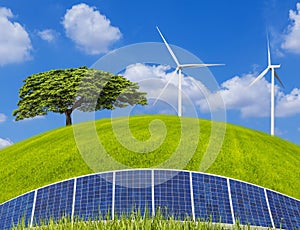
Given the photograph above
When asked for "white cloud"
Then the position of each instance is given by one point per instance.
(47, 35)
(161, 82)
(289, 104)
(89, 29)
(15, 44)
(292, 37)
(234, 93)
(157, 77)
(251, 102)
(137, 72)
(255, 101)
(5, 143)
(2, 117)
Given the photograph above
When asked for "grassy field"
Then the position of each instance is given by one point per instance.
(245, 154)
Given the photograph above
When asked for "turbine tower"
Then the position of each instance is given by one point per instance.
(273, 75)
(179, 68)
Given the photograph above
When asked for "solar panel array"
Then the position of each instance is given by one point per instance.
(181, 194)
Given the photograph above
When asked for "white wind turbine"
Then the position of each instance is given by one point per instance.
(273, 75)
(179, 69)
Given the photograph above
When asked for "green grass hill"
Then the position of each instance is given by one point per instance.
(247, 155)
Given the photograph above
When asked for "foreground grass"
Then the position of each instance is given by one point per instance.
(134, 225)
(247, 155)
(134, 222)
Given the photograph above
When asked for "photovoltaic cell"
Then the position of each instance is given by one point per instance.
(285, 211)
(13, 211)
(172, 193)
(93, 198)
(249, 204)
(211, 198)
(54, 202)
(133, 192)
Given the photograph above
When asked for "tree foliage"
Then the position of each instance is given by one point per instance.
(64, 90)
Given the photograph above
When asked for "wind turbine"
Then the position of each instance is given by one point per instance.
(179, 69)
(273, 75)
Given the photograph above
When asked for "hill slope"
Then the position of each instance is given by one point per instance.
(246, 155)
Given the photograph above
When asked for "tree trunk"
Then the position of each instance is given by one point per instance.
(68, 117)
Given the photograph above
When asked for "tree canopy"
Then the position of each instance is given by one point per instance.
(65, 90)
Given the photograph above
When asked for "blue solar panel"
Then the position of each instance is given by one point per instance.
(133, 192)
(169, 190)
(54, 201)
(93, 198)
(249, 204)
(172, 193)
(12, 212)
(211, 198)
(285, 210)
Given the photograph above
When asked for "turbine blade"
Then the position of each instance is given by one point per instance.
(278, 78)
(259, 76)
(199, 65)
(163, 90)
(168, 47)
(269, 53)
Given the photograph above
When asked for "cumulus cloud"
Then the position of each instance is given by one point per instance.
(89, 29)
(251, 102)
(2, 117)
(153, 79)
(291, 41)
(47, 35)
(161, 84)
(289, 104)
(255, 101)
(15, 44)
(161, 76)
(5, 143)
(234, 93)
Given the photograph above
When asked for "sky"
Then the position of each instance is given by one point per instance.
(37, 36)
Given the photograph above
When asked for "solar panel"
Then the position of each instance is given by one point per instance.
(211, 198)
(93, 199)
(54, 201)
(133, 192)
(285, 210)
(249, 204)
(180, 194)
(16, 210)
(172, 193)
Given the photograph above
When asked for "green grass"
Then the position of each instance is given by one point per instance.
(53, 156)
(134, 222)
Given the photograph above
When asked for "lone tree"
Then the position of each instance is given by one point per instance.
(64, 90)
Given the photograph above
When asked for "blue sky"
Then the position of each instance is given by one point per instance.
(36, 36)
